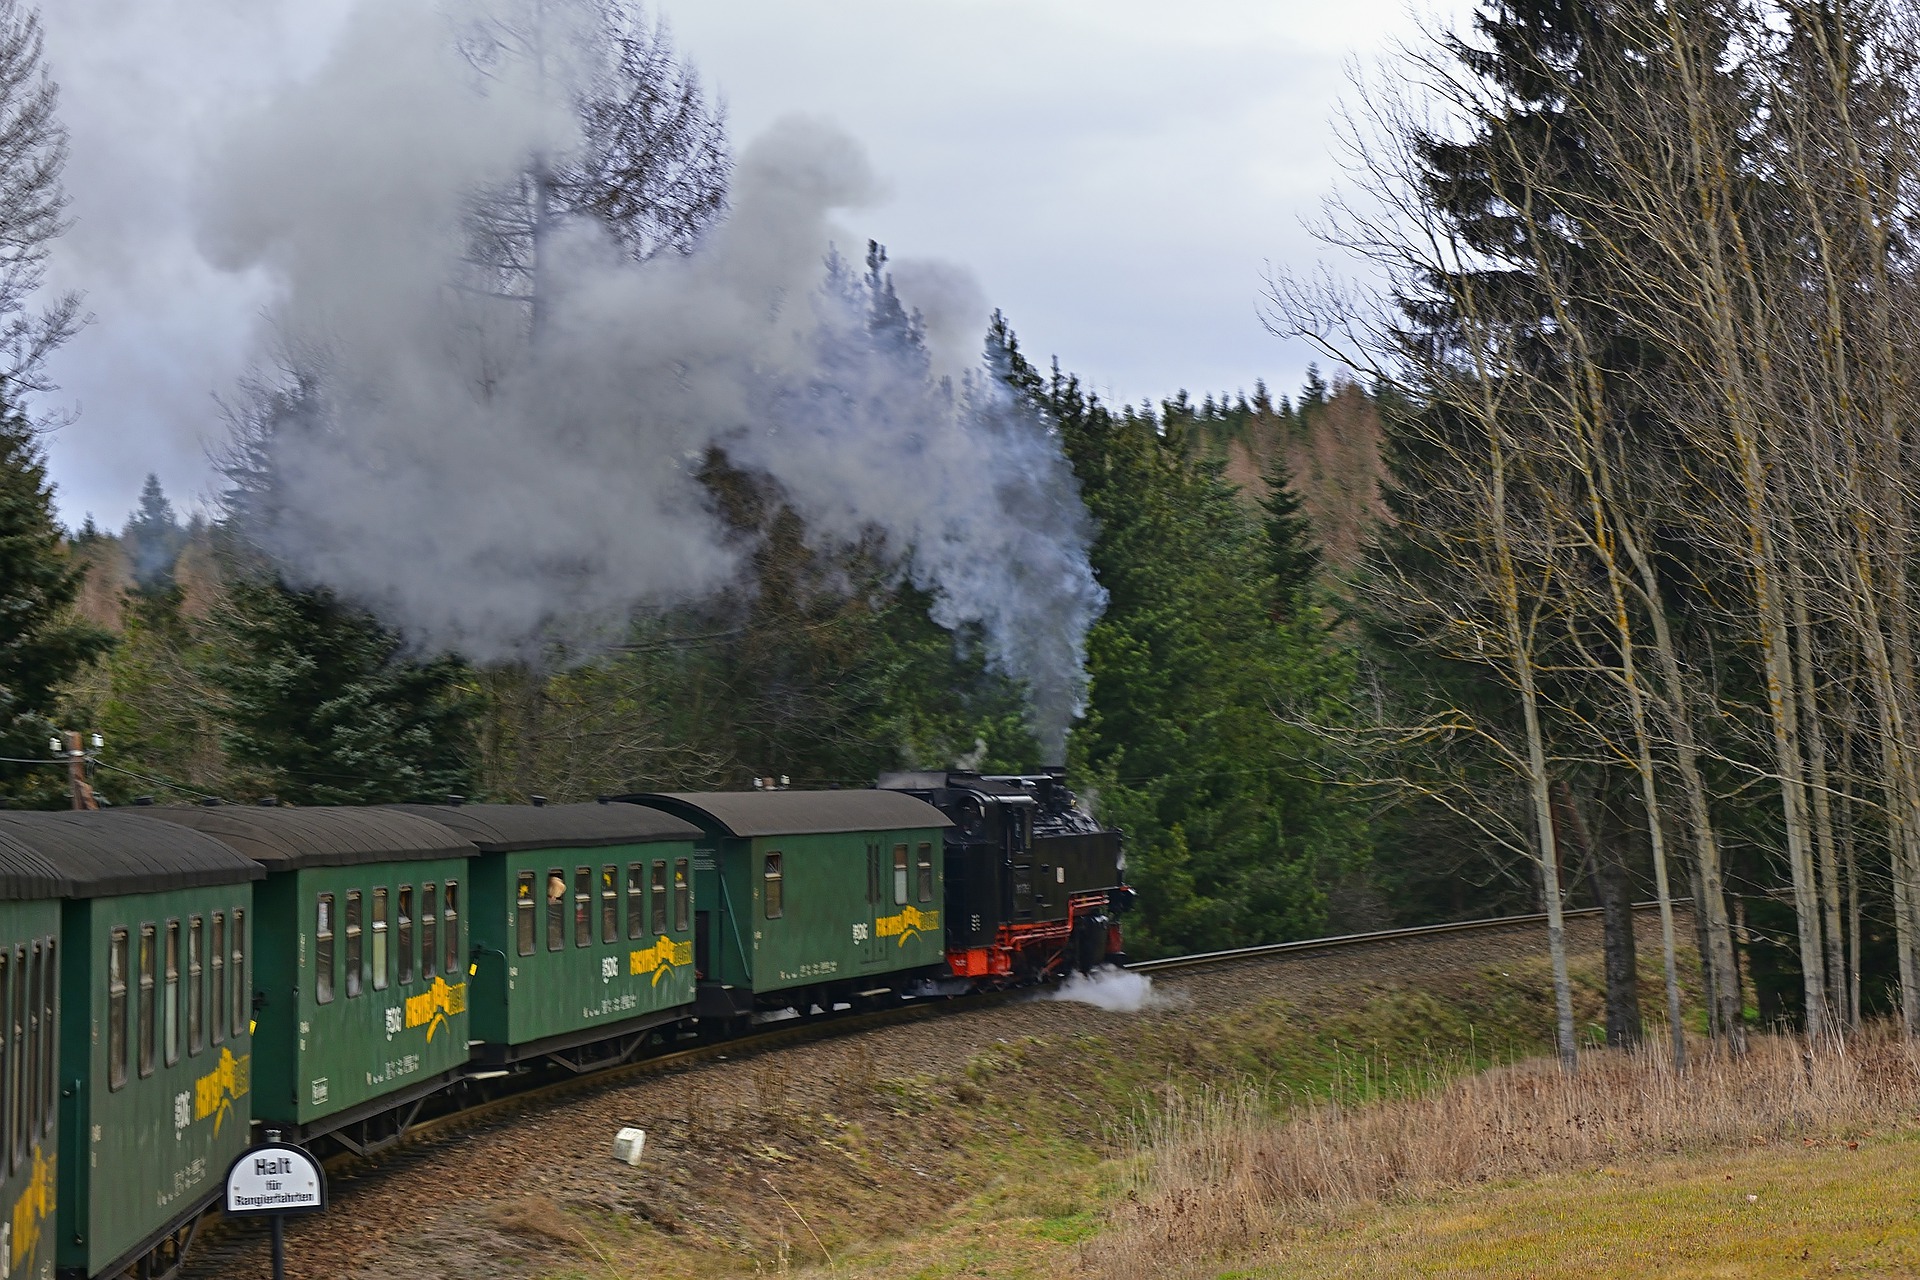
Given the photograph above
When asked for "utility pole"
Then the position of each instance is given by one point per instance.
(83, 797)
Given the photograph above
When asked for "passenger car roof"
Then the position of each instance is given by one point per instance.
(287, 839)
(102, 854)
(501, 828)
(24, 871)
(795, 813)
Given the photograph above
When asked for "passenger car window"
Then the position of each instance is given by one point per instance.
(237, 975)
(147, 1029)
(172, 1007)
(403, 933)
(926, 872)
(196, 984)
(659, 897)
(356, 945)
(217, 980)
(900, 875)
(450, 930)
(49, 1041)
(323, 949)
(682, 891)
(523, 922)
(22, 1058)
(556, 909)
(29, 1075)
(116, 1008)
(380, 957)
(770, 873)
(429, 930)
(582, 906)
(636, 899)
(610, 903)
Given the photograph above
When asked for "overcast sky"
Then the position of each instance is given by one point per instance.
(1115, 174)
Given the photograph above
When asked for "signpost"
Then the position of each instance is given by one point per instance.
(276, 1178)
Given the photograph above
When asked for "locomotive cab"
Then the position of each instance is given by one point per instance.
(1034, 883)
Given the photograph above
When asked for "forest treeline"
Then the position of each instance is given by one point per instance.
(1651, 310)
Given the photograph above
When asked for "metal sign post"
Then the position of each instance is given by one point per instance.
(276, 1178)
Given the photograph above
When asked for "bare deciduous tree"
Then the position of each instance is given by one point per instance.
(33, 150)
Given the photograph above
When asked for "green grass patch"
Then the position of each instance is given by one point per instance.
(1772, 1212)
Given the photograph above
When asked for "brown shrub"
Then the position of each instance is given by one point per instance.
(1220, 1171)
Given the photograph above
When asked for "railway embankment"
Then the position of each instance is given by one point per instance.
(1011, 1135)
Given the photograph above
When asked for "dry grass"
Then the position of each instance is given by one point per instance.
(1220, 1172)
(537, 1217)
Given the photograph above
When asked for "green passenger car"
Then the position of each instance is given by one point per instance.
(811, 897)
(361, 1001)
(582, 927)
(30, 944)
(155, 1055)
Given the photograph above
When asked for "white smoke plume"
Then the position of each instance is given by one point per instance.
(490, 486)
(1115, 990)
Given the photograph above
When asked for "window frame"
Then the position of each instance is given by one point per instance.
(149, 946)
(636, 900)
(450, 929)
(382, 944)
(196, 985)
(610, 904)
(403, 935)
(324, 983)
(29, 1078)
(526, 923)
(582, 906)
(170, 997)
(237, 975)
(429, 931)
(50, 1044)
(217, 978)
(772, 885)
(119, 1007)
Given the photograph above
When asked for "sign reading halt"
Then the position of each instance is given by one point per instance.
(275, 1178)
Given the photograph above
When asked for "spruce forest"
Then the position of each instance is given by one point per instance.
(1581, 578)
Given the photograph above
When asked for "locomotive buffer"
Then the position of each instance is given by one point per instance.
(275, 1179)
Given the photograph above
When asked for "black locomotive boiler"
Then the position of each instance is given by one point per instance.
(1034, 883)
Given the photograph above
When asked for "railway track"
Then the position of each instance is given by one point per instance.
(774, 1037)
(1380, 936)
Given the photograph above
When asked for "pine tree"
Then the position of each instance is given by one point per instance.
(1293, 557)
(327, 709)
(153, 539)
(41, 643)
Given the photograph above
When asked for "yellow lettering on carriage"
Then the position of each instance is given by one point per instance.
(214, 1092)
(435, 1005)
(660, 959)
(31, 1211)
(911, 922)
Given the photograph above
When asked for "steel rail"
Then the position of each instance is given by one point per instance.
(1380, 935)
